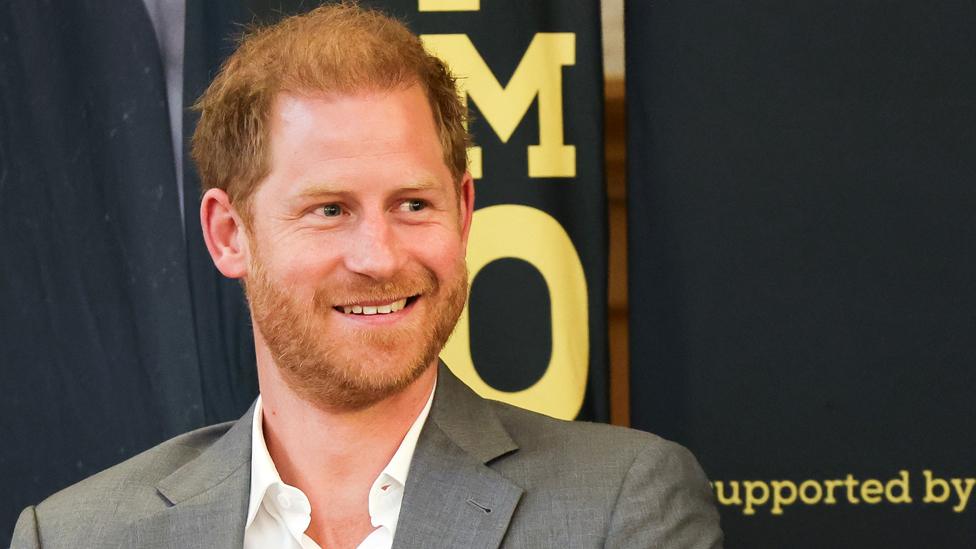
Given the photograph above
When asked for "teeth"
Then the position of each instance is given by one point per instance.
(375, 309)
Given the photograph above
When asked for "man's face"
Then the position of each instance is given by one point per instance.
(356, 274)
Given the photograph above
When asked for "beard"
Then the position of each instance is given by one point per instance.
(337, 367)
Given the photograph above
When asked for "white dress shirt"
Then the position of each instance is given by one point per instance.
(279, 514)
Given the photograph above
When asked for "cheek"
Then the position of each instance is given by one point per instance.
(300, 270)
(441, 253)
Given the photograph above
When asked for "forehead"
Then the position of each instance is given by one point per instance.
(339, 126)
(373, 143)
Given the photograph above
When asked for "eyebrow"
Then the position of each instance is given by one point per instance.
(328, 189)
(422, 184)
(320, 189)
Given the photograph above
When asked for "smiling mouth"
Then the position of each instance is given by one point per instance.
(376, 308)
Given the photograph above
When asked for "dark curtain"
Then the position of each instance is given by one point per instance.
(96, 331)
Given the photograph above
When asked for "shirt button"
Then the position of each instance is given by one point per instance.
(283, 501)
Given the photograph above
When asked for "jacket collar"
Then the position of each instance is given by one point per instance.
(452, 499)
(209, 497)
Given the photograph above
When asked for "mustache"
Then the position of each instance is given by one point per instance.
(366, 290)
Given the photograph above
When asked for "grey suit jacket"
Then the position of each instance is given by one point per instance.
(484, 474)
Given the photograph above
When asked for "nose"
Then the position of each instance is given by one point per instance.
(375, 249)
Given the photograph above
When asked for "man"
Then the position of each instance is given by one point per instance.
(332, 147)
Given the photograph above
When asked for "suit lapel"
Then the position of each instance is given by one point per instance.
(209, 497)
(452, 499)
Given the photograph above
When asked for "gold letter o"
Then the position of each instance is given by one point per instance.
(529, 234)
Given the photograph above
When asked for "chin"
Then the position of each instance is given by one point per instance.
(355, 384)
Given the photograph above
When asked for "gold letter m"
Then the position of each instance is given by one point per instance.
(539, 73)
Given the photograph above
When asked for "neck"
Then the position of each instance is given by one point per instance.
(306, 441)
(333, 456)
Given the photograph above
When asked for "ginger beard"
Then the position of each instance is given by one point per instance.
(336, 367)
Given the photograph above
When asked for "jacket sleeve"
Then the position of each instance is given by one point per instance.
(25, 533)
(665, 501)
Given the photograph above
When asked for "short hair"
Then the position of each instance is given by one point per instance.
(339, 48)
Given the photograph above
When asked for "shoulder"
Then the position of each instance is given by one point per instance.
(137, 474)
(580, 441)
(98, 506)
(638, 489)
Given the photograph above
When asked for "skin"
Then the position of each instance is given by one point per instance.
(359, 207)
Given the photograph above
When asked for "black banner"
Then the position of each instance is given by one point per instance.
(802, 254)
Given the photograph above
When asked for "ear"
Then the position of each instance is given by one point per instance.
(466, 199)
(225, 234)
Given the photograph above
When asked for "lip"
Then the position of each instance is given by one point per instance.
(373, 302)
(380, 318)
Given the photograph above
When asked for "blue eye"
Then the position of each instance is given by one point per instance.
(414, 205)
(331, 210)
